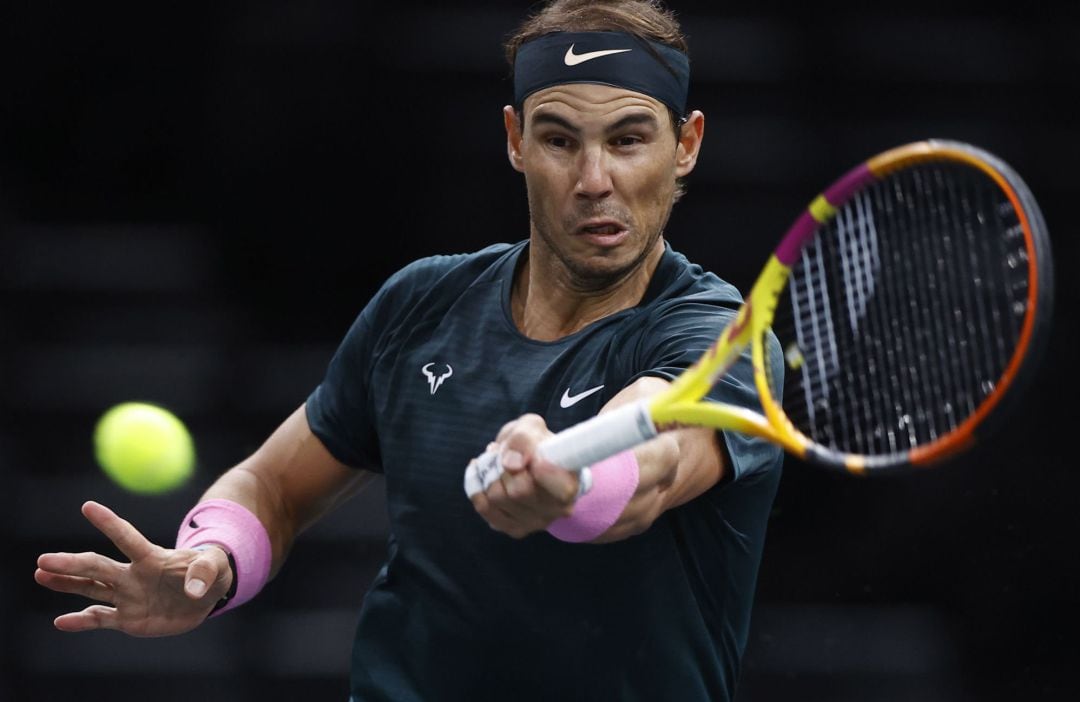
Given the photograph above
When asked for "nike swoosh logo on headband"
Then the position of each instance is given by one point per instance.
(572, 59)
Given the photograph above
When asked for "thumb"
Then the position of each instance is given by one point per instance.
(205, 571)
(556, 480)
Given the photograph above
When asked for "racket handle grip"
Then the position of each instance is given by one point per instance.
(578, 446)
(599, 437)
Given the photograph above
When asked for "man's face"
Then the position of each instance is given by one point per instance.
(600, 166)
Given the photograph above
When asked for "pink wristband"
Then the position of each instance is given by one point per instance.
(235, 529)
(614, 481)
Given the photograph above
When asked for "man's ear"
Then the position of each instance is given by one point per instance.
(513, 137)
(690, 135)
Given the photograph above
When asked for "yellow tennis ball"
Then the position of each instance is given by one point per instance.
(144, 448)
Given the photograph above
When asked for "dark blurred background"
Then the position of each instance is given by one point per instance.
(197, 198)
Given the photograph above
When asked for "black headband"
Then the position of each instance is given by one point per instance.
(610, 58)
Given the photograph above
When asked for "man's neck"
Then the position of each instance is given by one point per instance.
(547, 306)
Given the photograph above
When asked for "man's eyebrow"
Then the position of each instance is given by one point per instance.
(548, 118)
(644, 119)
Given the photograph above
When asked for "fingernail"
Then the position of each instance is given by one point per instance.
(512, 459)
(196, 587)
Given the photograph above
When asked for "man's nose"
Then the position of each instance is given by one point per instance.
(594, 176)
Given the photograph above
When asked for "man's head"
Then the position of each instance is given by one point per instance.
(600, 131)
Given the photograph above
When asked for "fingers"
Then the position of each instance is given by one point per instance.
(515, 494)
(120, 531)
(88, 588)
(558, 482)
(516, 505)
(496, 518)
(93, 566)
(517, 523)
(208, 573)
(553, 483)
(93, 617)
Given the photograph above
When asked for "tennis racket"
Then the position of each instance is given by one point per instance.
(912, 301)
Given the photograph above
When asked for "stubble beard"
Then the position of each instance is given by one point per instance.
(579, 275)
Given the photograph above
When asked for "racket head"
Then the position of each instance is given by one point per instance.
(916, 308)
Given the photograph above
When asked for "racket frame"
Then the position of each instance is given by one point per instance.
(681, 403)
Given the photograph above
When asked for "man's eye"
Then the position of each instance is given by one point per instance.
(559, 142)
(628, 141)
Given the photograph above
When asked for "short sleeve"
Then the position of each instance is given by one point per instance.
(678, 337)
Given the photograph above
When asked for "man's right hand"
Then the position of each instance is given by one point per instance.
(161, 592)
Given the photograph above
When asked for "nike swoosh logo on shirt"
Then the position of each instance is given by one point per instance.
(572, 59)
(569, 400)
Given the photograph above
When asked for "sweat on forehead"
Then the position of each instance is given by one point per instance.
(617, 59)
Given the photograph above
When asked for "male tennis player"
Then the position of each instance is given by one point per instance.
(637, 588)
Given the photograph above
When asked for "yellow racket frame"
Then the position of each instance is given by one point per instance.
(682, 404)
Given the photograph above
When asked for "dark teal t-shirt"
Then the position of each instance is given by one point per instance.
(428, 373)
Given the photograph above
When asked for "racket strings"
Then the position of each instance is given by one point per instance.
(905, 310)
